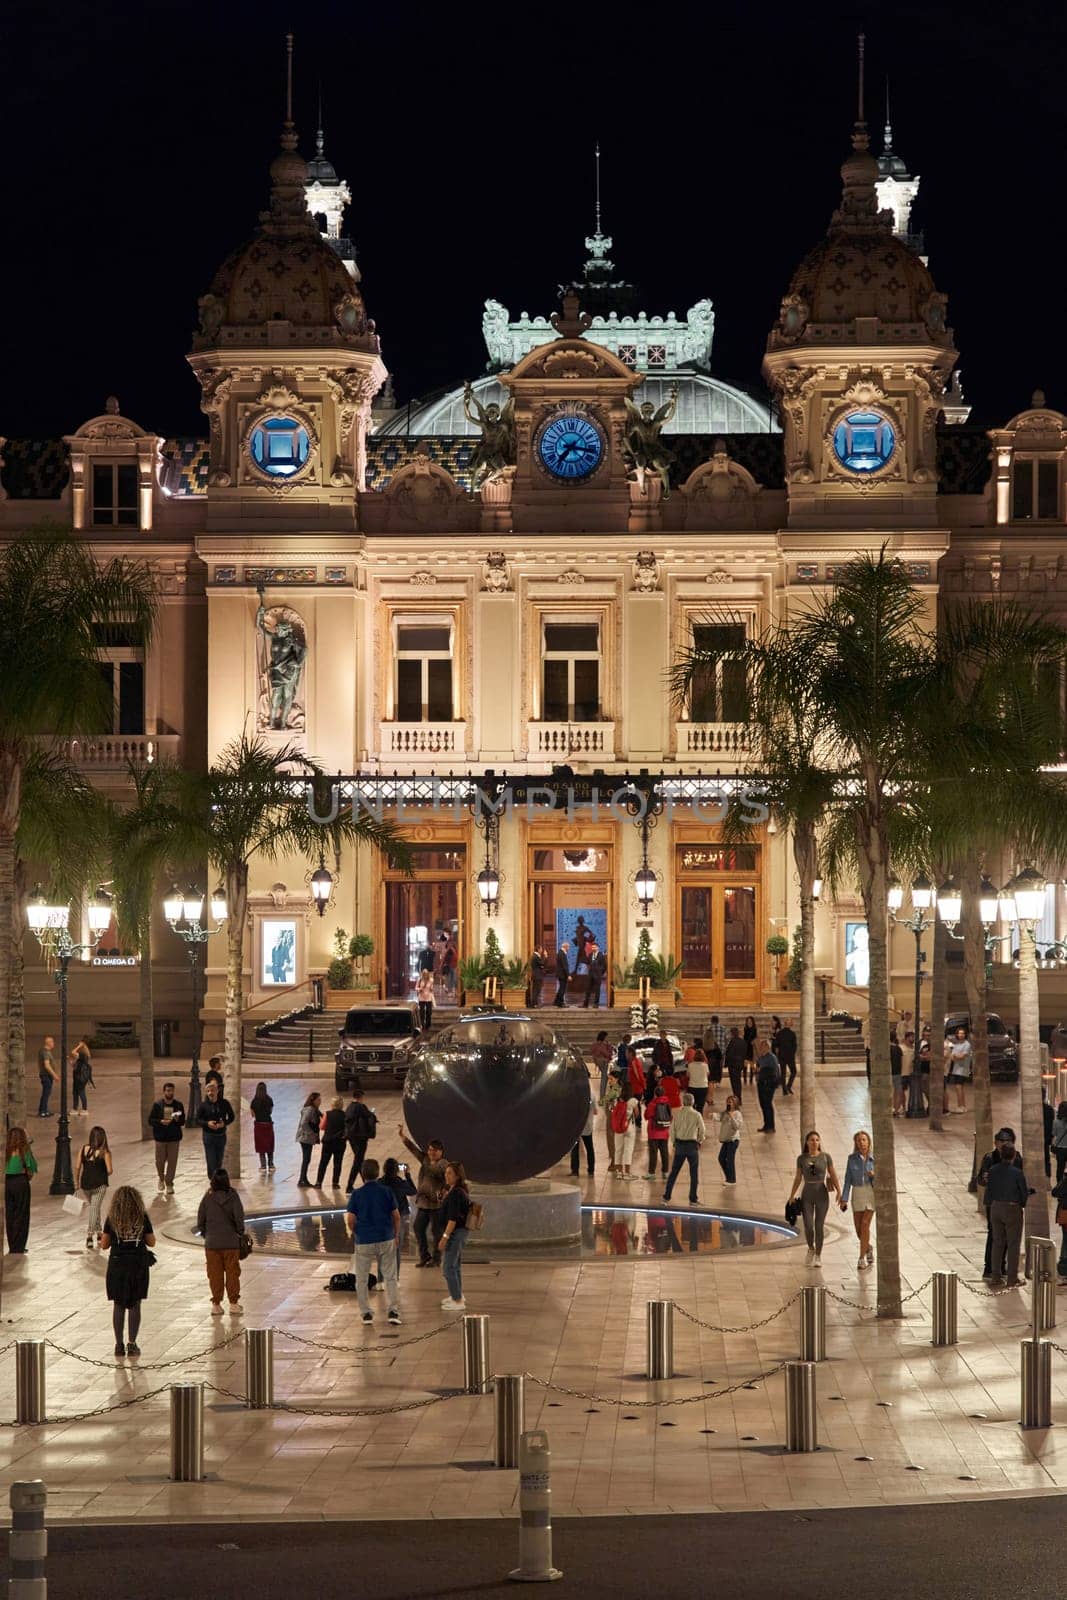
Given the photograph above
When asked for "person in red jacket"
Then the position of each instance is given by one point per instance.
(658, 1117)
(671, 1086)
(635, 1073)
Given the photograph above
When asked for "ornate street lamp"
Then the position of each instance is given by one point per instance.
(321, 886)
(922, 900)
(50, 926)
(185, 914)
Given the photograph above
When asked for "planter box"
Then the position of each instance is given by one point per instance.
(514, 999)
(663, 998)
(344, 999)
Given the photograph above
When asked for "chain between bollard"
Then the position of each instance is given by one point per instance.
(651, 1405)
(348, 1411)
(365, 1350)
(146, 1366)
(858, 1305)
(749, 1327)
(85, 1416)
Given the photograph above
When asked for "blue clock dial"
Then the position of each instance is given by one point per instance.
(570, 446)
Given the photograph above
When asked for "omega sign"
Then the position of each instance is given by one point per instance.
(114, 961)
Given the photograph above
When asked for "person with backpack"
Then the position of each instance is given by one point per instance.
(361, 1126)
(658, 1115)
(689, 1133)
(307, 1135)
(624, 1115)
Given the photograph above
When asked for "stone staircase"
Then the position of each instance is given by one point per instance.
(313, 1039)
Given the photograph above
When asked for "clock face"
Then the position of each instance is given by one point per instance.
(570, 446)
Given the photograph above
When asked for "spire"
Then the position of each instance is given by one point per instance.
(597, 266)
(288, 171)
(597, 151)
(887, 140)
(319, 138)
(859, 174)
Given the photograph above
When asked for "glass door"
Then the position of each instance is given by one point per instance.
(718, 927)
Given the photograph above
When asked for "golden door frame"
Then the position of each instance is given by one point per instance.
(561, 835)
(441, 835)
(717, 990)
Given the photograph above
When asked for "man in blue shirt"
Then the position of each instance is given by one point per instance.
(374, 1222)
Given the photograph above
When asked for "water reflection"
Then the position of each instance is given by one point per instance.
(607, 1231)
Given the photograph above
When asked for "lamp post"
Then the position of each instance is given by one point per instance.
(922, 900)
(185, 914)
(50, 925)
(1027, 891)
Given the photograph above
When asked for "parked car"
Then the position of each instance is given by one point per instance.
(375, 1040)
(643, 1043)
(1003, 1050)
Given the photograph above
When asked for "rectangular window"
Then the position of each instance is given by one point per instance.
(424, 672)
(1035, 491)
(720, 689)
(657, 355)
(571, 672)
(124, 679)
(115, 495)
(1047, 490)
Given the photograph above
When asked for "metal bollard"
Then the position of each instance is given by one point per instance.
(259, 1368)
(659, 1339)
(1036, 1399)
(29, 1380)
(535, 1511)
(510, 1413)
(801, 1432)
(945, 1304)
(813, 1323)
(187, 1432)
(29, 1541)
(476, 1379)
(1041, 1265)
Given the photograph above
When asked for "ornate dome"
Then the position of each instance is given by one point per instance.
(861, 270)
(286, 273)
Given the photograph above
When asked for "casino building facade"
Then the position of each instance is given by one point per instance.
(436, 632)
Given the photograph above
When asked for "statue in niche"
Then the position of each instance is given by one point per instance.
(642, 444)
(496, 448)
(281, 653)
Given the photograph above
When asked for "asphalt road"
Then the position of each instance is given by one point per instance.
(961, 1551)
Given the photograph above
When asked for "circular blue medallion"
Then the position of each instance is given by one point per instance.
(864, 441)
(570, 446)
(279, 446)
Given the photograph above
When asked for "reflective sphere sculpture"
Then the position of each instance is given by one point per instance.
(506, 1096)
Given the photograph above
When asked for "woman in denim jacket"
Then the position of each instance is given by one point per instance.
(859, 1183)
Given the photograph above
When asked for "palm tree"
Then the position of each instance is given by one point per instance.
(252, 804)
(56, 601)
(784, 723)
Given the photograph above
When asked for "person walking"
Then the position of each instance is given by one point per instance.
(815, 1171)
(333, 1143)
(214, 1072)
(624, 1118)
(81, 1074)
(715, 1036)
(128, 1237)
(455, 1211)
(586, 1138)
(768, 1077)
(688, 1132)
(734, 1058)
(166, 1120)
(216, 1114)
(262, 1109)
(1007, 1192)
(1058, 1142)
(662, 1054)
(429, 1196)
(19, 1169)
(959, 1059)
(361, 1126)
(636, 1082)
(397, 1180)
(750, 1033)
(611, 1097)
(307, 1135)
(731, 1126)
(597, 967)
(46, 1072)
(563, 972)
(538, 974)
(671, 1085)
(221, 1220)
(424, 997)
(373, 1221)
(622, 1051)
(859, 1183)
(658, 1115)
(698, 1078)
(1001, 1140)
(896, 1074)
(785, 1048)
(601, 1054)
(94, 1169)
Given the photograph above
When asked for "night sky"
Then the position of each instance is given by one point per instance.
(139, 139)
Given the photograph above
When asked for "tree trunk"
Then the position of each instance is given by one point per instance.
(146, 1029)
(938, 1007)
(806, 858)
(10, 802)
(16, 1067)
(874, 880)
(1030, 1096)
(974, 977)
(236, 911)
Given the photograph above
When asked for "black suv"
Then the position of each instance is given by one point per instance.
(375, 1040)
(1003, 1051)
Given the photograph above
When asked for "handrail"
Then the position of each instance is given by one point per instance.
(852, 990)
(276, 994)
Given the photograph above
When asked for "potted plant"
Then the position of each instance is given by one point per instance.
(339, 972)
(516, 974)
(796, 960)
(470, 977)
(662, 973)
(360, 947)
(777, 946)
